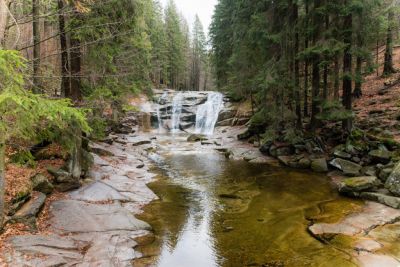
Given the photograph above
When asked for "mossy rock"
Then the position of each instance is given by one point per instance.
(359, 184)
(196, 138)
(380, 156)
(40, 183)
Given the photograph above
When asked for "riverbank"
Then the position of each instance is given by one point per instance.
(97, 224)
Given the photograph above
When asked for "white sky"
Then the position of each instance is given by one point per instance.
(189, 8)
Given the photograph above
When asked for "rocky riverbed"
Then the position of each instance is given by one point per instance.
(97, 224)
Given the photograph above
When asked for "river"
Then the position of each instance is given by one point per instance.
(218, 212)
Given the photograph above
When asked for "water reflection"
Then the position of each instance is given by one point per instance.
(215, 212)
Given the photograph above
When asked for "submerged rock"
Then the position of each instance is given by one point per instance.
(372, 215)
(358, 184)
(347, 167)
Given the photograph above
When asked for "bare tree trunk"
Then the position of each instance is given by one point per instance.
(75, 62)
(65, 66)
(347, 69)
(388, 67)
(2, 181)
(3, 20)
(316, 77)
(36, 45)
(306, 67)
(295, 17)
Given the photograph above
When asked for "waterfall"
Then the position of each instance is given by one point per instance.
(176, 112)
(207, 114)
(160, 100)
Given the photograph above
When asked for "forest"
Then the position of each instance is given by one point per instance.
(93, 93)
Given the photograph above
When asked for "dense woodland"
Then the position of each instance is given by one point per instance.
(301, 61)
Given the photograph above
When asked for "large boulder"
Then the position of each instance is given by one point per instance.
(358, 184)
(64, 180)
(319, 165)
(40, 183)
(30, 209)
(393, 182)
(380, 156)
(347, 167)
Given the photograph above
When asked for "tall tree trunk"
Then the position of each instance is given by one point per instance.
(76, 56)
(75, 63)
(327, 59)
(315, 109)
(295, 17)
(347, 66)
(388, 67)
(3, 20)
(65, 66)
(306, 61)
(2, 180)
(36, 45)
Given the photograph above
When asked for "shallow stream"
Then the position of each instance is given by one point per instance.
(218, 212)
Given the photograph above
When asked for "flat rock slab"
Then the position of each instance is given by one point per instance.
(368, 245)
(56, 249)
(97, 191)
(132, 190)
(111, 249)
(79, 217)
(377, 260)
(373, 215)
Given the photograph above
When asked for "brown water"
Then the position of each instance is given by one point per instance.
(215, 212)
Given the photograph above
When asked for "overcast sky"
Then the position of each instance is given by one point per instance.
(189, 8)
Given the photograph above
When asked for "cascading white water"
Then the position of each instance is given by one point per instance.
(207, 114)
(176, 112)
(160, 122)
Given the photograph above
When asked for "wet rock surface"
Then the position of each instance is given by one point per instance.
(362, 230)
(95, 226)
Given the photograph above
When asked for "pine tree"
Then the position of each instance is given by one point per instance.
(198, 54)
(175, 39)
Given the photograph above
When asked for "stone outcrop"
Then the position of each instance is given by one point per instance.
(40, 183)
(393, 181)
(94, 226)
